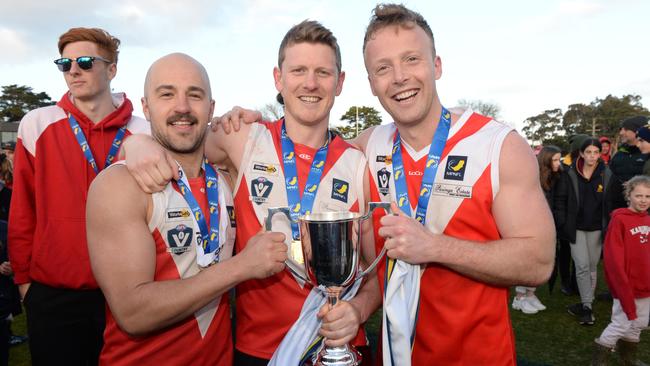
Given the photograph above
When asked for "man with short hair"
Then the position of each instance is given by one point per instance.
(627, 162)
(294, 162)
(60, 150)
(468, 190)
(166, 278)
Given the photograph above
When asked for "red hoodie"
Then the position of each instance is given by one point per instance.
(627, 258)
(47, 235)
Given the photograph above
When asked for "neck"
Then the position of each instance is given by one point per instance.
(191, 163)
(419, 135)
(312, 136)
(95, 109)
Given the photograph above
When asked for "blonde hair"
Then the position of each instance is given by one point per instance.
(633, 183)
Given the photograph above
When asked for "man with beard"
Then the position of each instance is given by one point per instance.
(164, 260)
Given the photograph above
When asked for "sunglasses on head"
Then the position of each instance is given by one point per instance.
(85, 62)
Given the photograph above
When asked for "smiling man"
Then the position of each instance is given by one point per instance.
(166, 278)
(60, 150)
(294, 162)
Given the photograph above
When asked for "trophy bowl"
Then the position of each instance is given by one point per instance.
(331, 250)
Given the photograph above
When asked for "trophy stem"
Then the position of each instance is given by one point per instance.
(344, 355)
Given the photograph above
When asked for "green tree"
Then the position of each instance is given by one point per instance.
(358, 119)
(484, 108)
(544, 127)
(16, 101)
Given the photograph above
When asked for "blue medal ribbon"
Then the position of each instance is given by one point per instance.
(433, 159)
(210, 238)
(298, 206)
(85, 148)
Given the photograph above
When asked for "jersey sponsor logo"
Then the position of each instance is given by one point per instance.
(340, 190)
(179, 239)
(260, 189)
(178, 214)
(452, 190)
(231, 215)
(264, 168)
(455, 169)
(304, 156)
(388, 159)
(383, 180)
(415, 172)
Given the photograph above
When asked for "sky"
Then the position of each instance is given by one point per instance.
(524, 56)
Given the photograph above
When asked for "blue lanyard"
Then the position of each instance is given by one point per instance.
(210, 238)
(299, 206)
(83, 143)
(433, 159)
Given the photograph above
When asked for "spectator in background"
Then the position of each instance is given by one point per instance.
(606, 154)
(550, 168)
(627, 270)
(627, 162)
(8, 149)
(585, 221)
(565, 262)
(643, 143)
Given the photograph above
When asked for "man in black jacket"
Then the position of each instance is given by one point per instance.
(627, 162)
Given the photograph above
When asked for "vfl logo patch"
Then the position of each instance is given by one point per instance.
(179, 239)
(340, 190)
(260, 189)
(455, 169)
(383, 179)
(268, 169)
(231, 216)
(180, 213)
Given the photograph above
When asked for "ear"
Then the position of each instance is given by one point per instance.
(145, 108)
(339, 83)
(112, 71)
(211, 109)
(372, 86)
(277, 77)
(437, 67)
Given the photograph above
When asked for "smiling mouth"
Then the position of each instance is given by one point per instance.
(405, 95)
(182, 123)
(310, 99)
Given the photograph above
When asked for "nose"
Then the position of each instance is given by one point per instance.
(311, 81)
(182, 105)
(74, 69)
(399, 76)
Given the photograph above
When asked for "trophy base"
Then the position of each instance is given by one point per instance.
(338, 356)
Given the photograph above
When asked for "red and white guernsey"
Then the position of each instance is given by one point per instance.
(267, 308)
(461, 321)
(204, 338)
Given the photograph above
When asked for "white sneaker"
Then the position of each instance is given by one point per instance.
(524, 306)
(534, 301)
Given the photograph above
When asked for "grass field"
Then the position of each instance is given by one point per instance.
(550, 337)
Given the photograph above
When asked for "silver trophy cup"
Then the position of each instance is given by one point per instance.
(330, 243)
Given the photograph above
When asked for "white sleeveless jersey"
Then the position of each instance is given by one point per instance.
(172, 222)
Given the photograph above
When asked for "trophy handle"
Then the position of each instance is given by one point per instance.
(268, 226)
(372, 207)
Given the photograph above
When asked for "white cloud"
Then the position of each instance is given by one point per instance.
(15, 45)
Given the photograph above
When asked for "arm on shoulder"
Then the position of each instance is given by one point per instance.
(227, 149)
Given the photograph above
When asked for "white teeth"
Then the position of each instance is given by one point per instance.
(181, 123)
(404, 95)
(309, 99)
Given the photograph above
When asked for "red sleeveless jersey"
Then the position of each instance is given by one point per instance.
(205, 338)
(267, 308)
(461, 321)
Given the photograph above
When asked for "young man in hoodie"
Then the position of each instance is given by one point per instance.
(60, 150)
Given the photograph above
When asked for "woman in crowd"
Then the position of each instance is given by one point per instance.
(549, 174)
(585, 221)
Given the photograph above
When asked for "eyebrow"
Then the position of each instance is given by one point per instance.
(172, 87)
